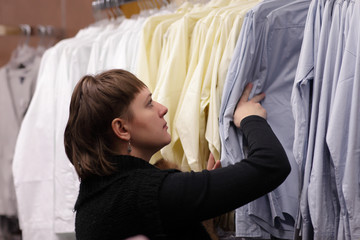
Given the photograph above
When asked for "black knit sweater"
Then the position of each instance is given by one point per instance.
(168, 204)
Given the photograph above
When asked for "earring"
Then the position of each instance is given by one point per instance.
(129, 147)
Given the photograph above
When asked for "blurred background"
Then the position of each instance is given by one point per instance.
(63, 15)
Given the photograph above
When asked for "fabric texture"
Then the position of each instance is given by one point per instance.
(120, 205)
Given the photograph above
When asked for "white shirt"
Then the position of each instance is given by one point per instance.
(17, 84)
(45, 182)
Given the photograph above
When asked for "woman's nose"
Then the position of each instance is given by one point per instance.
(163, 109)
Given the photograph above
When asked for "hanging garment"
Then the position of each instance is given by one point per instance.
(259, 61)
(351, 180)
(242, 52)
(36, 179)
(200, 83)
(323, 209)
(300, 99)
(193, 143)
(321, 151)
(72, 65)
(51, 181)
(173, 67)
(322, 99)
(225, 46)
(242, 60)
(17, 80)
(338, 24)
(343, 126)
(96, 61)
(127, 50)
(151, 44)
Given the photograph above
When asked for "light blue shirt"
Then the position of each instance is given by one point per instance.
(276, 81)
(323, 204)
(351, 180)
(325, 97)
(244, 54)
(270, 56)
(343, 130)
(331, 68)
(300, 101)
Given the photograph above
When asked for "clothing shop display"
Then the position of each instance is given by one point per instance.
(173, 69)
(267, 55)
(196, 59)
(201, 84)
(323, 101)
(168, 204)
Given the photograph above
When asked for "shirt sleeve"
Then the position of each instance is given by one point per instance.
(202, 195)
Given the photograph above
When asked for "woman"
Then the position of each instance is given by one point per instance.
(115, 127)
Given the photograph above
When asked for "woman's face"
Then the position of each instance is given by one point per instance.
(148, 127)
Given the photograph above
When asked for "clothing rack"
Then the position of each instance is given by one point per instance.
(106, 4)
(28, 30)
(127, 8)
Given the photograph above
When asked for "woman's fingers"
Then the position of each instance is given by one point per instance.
(258, 98)
(211, 162)
(217, 165)
(246, 93)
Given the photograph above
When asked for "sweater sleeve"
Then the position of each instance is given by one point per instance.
(202, 195)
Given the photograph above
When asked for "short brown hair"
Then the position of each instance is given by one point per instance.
(95, 102)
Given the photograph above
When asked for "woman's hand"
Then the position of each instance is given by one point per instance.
(211, 165)
(138, 237)
(246, 107)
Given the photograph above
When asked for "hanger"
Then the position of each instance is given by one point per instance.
(95, 6)
(116, 6)
(43, 35)
(108, 6)
(140, 5)
(109, 9)
(99, 10)
(27, 31)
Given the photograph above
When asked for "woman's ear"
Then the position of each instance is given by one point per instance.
(120, 129)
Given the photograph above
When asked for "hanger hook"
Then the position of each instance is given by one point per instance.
(26, 29)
